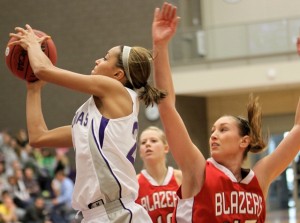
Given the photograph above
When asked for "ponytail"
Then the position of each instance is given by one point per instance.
(151, 95)
(252, 127)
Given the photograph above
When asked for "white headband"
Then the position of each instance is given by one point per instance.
(125, 56)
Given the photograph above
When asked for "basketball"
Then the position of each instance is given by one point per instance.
(17, 60)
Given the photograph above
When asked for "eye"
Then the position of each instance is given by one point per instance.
(104, 58)
(223, 129)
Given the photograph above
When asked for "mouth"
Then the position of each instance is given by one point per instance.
(148, 152)
(214, 145)
(93, 70)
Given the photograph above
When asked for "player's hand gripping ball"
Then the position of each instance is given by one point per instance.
(17, 60)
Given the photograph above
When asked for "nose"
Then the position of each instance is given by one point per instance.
(147, 143)
(213, 135)
(98, 61)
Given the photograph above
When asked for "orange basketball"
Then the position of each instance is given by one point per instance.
(17, 60)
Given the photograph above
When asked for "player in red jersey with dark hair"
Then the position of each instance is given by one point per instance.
(217, 189)
(158, 182)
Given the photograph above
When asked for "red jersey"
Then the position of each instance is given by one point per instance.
(222, 199)
(158, 200)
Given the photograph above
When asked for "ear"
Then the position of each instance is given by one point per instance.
(245, 141)
(119, 75)
(166, 149)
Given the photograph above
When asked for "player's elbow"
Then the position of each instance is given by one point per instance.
(35, 142)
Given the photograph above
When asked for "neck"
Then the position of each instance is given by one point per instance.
(157, 172)
(235, 167)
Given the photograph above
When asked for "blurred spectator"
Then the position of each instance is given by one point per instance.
(18, 190)
(46, 163)
(22, 137)
(8, 210)
(31, 182)
(62, 208)
(37, 212)
(62, 159)
(28, 157)
(29, 176)
(2, 144)
(4, 185)
(8, 150)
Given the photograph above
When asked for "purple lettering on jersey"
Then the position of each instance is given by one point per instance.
(74, 119)
(80, 118)
(131, 154)
(86, 120)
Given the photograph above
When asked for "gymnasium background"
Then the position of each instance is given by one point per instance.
(223, 50)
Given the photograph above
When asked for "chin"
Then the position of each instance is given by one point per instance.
(214, 155)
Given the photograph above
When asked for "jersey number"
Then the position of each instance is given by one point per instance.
(131, 154)
(168, 218)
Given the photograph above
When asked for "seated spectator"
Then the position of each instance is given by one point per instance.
(37, 212)
(28, 158)
(31, 183)
(62, 159)
(46, 163)
(22, 137)
(7, 148)
(8, 209)
(4, 185)
(62, 208)
(18, 190)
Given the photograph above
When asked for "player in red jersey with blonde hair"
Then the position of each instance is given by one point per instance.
(217, 189)
(158, 182)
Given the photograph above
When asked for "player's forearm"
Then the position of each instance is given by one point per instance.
(162, 71)
(35, 121)
(39, 62)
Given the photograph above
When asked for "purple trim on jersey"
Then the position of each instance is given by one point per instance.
(103, 124)
(99, 149)
(127, 210)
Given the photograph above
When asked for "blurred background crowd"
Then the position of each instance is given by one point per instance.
(36, 184)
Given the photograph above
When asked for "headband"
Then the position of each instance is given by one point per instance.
(125, 56)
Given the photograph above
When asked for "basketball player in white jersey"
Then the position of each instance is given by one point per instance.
(104, 129)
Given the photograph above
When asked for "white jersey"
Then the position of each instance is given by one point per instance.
(105, 151)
